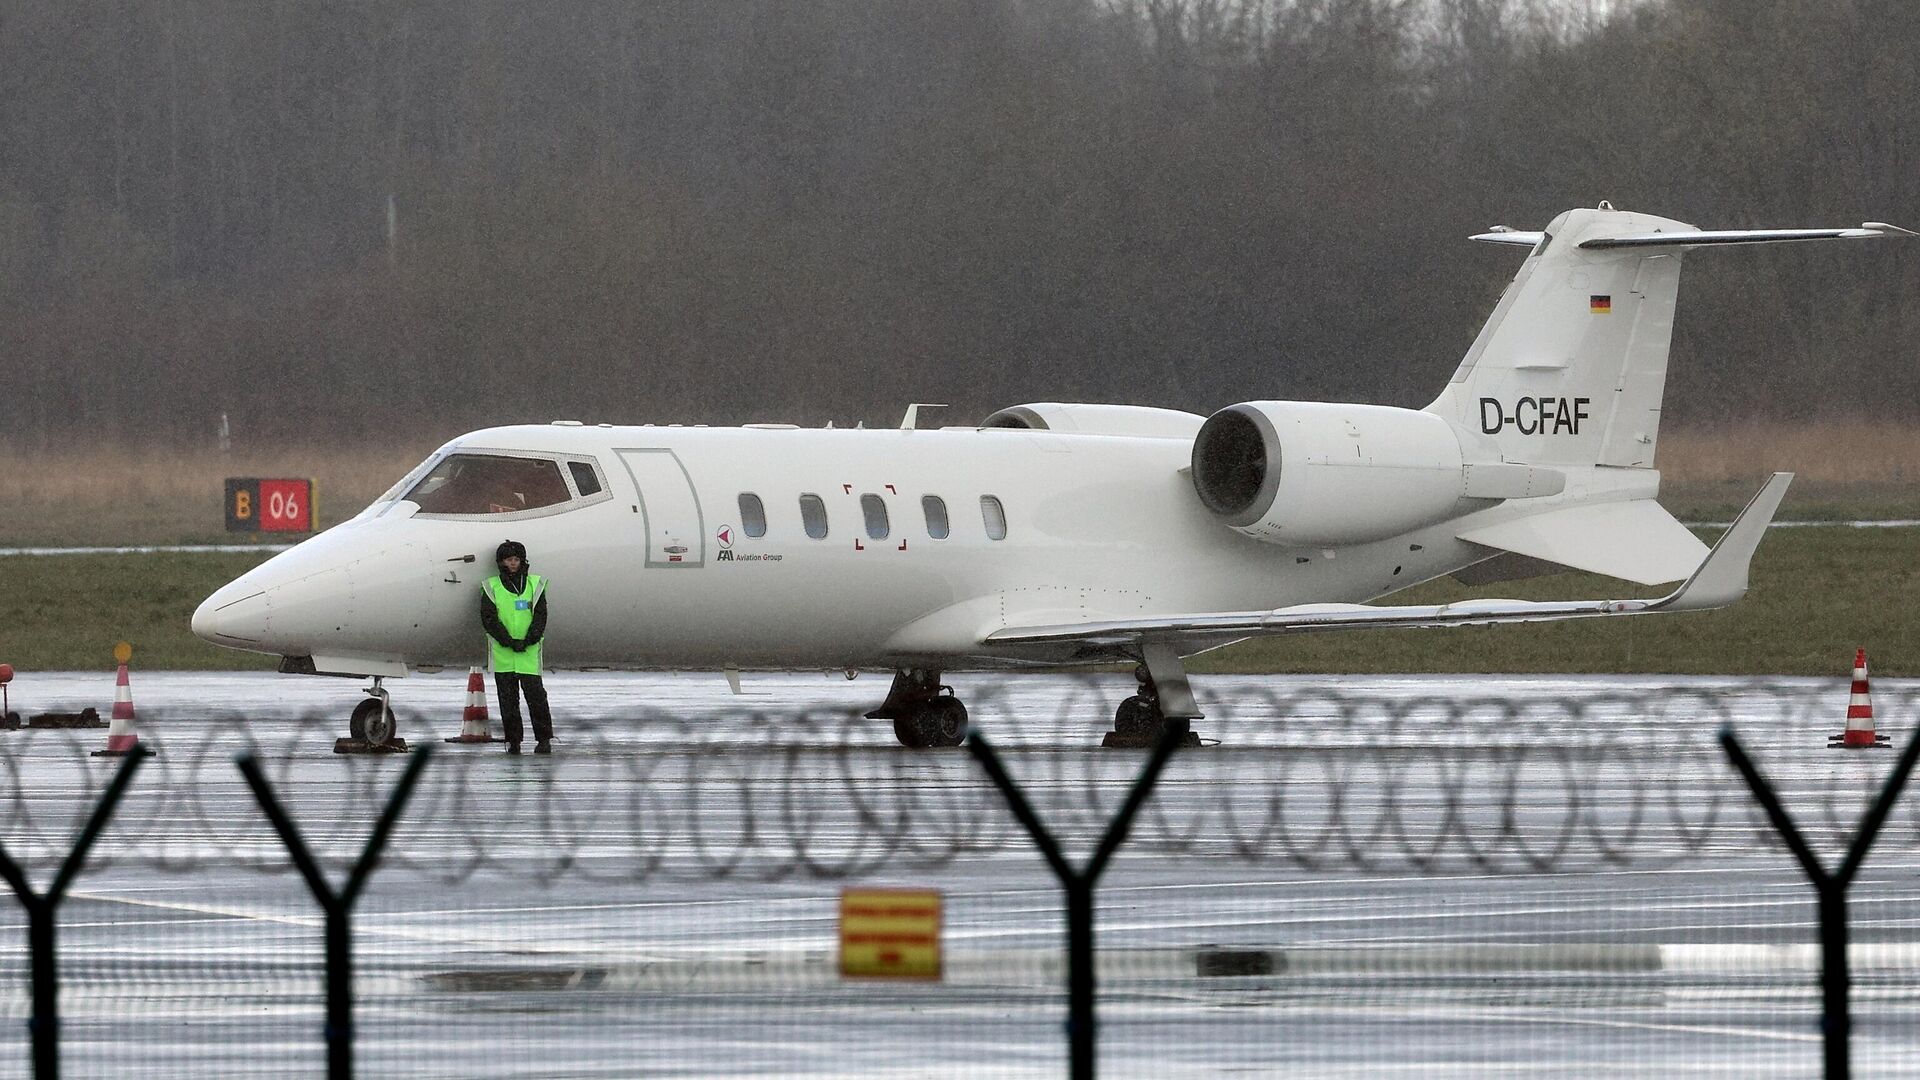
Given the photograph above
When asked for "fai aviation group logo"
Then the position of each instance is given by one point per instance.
(724, 537)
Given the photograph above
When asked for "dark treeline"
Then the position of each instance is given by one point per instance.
(827, 208)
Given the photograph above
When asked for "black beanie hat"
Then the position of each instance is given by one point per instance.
(510, 547)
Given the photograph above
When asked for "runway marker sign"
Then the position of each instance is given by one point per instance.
(890, 934)
(269, 505)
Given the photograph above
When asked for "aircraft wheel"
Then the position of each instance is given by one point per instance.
(944, 720)
(372, 722)
(907, 730)
(1137, 715)
(939, 721)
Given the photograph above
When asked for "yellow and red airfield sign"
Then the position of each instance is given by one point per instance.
(890, 934)
(269, 505)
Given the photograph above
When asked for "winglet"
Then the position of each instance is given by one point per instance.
(1721, 577)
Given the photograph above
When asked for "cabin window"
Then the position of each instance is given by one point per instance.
(489, 484)
(874, 508)
(584, 479)
(753, 515)
(813, 516)
(995, 517)
(936, 510)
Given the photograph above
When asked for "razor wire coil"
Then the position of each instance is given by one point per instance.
(1317, 780)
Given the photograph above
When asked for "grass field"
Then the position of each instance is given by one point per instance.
(1843, 472)
(71, 609)
(109, 496)
(1817, 593)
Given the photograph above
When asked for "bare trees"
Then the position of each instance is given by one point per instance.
(817, 210)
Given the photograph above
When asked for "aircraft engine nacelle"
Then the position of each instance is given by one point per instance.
(1307, 473)
(1085, 419)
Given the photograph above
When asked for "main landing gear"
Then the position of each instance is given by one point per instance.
(924, 712)
(1163, 703)
(371, 729)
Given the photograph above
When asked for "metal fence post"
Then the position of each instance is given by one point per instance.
(43, 1025)
(1836, 978)
(1079, 884)
(338, 906)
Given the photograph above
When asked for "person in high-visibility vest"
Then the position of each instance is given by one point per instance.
(513, 609)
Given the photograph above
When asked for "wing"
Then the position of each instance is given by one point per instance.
(1719, 580)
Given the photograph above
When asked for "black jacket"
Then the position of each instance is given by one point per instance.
(490, 616)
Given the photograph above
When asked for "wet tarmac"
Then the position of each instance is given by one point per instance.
(1394, 876)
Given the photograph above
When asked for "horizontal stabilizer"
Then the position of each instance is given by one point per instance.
(1871, 230)
(1689, 238)
(1513, 237)
(1634, 541)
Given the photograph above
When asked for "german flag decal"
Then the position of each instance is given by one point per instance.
(1600, 305)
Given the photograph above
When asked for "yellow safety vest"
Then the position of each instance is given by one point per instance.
(516, 614)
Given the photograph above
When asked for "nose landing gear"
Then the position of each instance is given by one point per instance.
(925, 713)
(371, 728)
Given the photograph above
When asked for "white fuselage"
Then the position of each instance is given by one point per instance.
(1097, 526)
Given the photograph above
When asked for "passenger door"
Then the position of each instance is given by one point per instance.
(676, 531)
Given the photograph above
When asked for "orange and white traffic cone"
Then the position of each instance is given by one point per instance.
(1859, 731)
(121, 738)
(474, 727)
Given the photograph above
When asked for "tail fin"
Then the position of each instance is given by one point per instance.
(1571, 367)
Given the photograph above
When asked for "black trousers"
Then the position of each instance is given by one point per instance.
(510, 685)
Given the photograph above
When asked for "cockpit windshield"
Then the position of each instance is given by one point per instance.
(489, 484)
(404, 484)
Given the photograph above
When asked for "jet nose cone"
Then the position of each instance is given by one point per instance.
(233, 616)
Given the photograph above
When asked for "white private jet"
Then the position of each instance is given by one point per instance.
(1052, 533)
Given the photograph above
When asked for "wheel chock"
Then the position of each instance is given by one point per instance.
(86, 718)
(395, 745)
(1148, 741)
